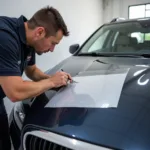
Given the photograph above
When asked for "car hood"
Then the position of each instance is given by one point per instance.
(126, 126)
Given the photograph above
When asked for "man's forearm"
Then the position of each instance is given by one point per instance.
(25, 89)
(16, 89)
(31, 89)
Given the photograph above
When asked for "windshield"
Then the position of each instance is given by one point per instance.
(130, 37)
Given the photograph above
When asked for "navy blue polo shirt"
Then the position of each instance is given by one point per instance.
(15, 55)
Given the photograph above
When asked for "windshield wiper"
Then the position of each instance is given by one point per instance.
(133, 55)
(94, 54)
(124, 55)
(145, 55)
(114, 55)
(88, 54)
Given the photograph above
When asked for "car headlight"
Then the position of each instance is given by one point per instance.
(19, 114)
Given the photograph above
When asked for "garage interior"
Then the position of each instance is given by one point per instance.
(82, 18)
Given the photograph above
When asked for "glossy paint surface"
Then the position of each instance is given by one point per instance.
(124, 127)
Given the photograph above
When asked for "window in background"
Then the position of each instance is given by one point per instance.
(139, 11)
(141, 37)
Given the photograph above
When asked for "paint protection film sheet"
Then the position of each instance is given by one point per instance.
(96, 91)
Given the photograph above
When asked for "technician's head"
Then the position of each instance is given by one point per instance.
(45, 29)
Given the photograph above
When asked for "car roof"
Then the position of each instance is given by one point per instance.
(122, 20)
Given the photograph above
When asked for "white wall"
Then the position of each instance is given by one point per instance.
(118, 8)
(81, 16)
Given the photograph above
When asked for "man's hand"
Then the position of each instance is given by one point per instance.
(60, 79)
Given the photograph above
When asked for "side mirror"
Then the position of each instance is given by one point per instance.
(73, 48)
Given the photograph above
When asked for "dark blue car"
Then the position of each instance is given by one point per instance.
(108, 105)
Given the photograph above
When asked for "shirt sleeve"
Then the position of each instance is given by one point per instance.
(32, 61)
(9, 55)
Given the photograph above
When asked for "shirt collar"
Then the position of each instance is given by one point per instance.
(22, 32)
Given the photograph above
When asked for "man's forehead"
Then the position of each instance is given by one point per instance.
(55, 40)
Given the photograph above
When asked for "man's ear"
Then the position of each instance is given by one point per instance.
(40, 32)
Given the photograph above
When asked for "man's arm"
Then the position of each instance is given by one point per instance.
(19, 90)
(16, 89)
(35, 73)
(10, 74)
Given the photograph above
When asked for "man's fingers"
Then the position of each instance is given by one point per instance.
(66, 78)
(69, 76)
(65, 75)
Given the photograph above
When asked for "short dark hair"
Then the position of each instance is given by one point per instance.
(50, 19)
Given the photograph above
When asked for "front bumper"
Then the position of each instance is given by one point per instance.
(42, 139)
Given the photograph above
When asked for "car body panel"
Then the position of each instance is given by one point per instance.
(124, 127)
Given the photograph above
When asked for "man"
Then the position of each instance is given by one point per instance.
(20, 39)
